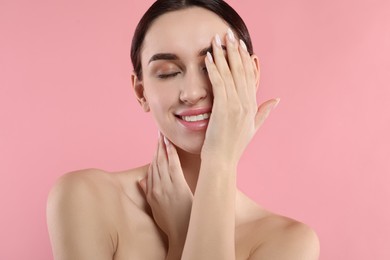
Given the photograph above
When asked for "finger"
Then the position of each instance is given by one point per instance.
(143, 184)
(223, 68)
(155, 174)
(248, 72)
(216, 81)
(236, 66)
(162, 162)
(174, 163)
(264, 111)
(149, 178)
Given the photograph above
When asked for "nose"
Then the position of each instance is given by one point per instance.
(195, 88)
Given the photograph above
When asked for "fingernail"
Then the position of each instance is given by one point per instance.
(231, 35)
(166, 141)
(276, 104)
(210, 57)
(243, 45)
(218, 41)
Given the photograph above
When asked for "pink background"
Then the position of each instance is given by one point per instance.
(322, 157)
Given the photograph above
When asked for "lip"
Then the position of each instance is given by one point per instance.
(197, 125)
(194, 126)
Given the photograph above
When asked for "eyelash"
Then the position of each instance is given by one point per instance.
(171, 75)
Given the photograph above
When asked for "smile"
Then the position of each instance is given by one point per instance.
(195, 118)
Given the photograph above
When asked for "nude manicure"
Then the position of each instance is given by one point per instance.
(243, 45)
(166, 141)
(210, 57)
(231, 35)
(275, 104)
(218, 41)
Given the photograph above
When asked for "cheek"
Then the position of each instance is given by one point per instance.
(161, 99)
(162, 107)
(161, 93)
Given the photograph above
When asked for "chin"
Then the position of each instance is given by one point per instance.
(192, 151)
(194, 147)
(187, 141)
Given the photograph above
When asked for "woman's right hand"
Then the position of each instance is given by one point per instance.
(168, 193)
(235, 116)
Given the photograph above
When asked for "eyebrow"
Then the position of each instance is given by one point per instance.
(171, 56)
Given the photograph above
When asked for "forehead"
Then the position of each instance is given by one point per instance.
(183, 31)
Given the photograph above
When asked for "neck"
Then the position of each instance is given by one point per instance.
(190, 163)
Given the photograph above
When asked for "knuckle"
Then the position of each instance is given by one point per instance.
(226, 74)
(160, 161)
(245, 110)
(172, 168)
(216, 81)
(156, 193)
(236, 109)
(239, 69)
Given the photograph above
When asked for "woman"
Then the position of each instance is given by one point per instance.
(195, 71)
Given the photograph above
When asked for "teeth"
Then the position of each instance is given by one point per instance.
(195, 118)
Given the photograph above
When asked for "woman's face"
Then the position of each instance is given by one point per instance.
(175, 82)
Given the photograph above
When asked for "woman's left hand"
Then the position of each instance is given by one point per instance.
(235, 116)
(168, 193)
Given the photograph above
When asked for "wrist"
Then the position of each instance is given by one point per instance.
(176, 240)
(213, 164)
(175, 248)
(221, 160)
(174, 252)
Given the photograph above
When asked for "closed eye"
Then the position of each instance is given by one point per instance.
(170, 75)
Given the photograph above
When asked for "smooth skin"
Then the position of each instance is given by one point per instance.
(184, 204)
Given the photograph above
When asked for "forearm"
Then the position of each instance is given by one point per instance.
(212, 224)
(175, 248)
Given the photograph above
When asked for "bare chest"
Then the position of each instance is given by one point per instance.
(140, 238)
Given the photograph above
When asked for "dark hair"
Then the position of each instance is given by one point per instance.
(160, 7)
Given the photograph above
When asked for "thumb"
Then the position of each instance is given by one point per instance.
(142, 184)
(264, 110)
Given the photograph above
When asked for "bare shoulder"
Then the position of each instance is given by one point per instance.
(78, 215)
(285, 238)
(83, 181)
(84, 188)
